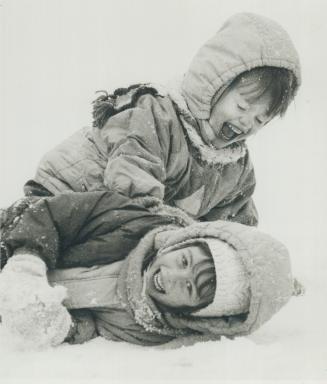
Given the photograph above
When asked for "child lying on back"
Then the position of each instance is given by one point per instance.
(185, 146)
(133, 271)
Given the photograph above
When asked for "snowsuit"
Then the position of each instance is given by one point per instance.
(146, 141)
(75, 233)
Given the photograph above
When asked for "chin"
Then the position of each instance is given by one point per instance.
(219, 144)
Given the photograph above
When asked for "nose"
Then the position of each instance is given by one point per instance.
(173, 277)
(246, 123)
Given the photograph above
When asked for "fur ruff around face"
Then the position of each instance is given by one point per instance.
(207, 154)
(265, 260)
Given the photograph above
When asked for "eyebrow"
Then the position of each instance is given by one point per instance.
(190, 256)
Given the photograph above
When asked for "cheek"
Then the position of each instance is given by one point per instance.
(216, 117)
(223, 112)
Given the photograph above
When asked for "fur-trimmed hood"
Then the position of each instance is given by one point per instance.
(207, 153)
(265, 260)
(245, 41)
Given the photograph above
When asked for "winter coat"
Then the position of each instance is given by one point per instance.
(127, 314)
(146, 142)
(81, 230)
(71, 229)
(143, 151)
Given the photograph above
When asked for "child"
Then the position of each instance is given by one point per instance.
(185, 146)
(182, 282)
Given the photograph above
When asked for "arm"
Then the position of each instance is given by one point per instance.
(83, 327)
(138, 139)
(121, 326)
(80, 229)
(239, 206)
(241, 209)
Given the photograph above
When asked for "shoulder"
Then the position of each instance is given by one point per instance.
(149, 115)
(161, 105)
(124, 101)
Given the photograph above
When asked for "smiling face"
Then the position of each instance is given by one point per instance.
(236, 115)
(181, 278)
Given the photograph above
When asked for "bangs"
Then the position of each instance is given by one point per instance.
(276, 84)
(205, 277)
(205, 281)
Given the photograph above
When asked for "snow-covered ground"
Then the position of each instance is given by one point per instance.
(291, 346)
(56, 54)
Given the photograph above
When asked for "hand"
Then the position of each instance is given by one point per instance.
(31, 310)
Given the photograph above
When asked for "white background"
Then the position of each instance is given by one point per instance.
(56, 54)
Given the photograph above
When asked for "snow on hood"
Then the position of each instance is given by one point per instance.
(244, 42)
(265, 260)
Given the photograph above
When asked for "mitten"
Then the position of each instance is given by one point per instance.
(31, 310)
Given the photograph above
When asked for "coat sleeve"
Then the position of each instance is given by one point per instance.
(138, 140)
(84, 327)
(113, 325)
(239, 206)
(78, 229)
(119, 325)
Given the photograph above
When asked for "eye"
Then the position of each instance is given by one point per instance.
(259, 121)
(189, 287)
(243, 105)
(184, 261)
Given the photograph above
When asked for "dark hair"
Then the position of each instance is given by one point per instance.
(279, 83)
(107, 105)
(205, 281)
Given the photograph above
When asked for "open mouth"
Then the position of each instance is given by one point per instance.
(229, 131)
(157, 281)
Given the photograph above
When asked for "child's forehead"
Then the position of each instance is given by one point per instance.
(195, 250)
(247, 85)
(253, 91)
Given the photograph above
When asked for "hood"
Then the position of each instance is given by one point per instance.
(244, 42)
(266, 261)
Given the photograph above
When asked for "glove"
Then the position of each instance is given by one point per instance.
(31, 310)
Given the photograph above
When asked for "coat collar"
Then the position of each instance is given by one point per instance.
(207, 154)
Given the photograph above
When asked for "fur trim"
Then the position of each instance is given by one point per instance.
(208, 154)
(131, 290)
(270, 285)
(107, 105)
(228, 53)
(211, 155)
(155, 205)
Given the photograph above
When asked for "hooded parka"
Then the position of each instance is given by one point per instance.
(95, 245)
(150, 145)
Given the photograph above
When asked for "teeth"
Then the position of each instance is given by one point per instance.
(234, 129)
(158, 282)
(229, 132)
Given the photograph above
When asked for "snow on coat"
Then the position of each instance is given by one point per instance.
(244, 42)
(150, 145)
(265, 260)
(85, 230)
(145, 150)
